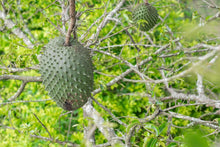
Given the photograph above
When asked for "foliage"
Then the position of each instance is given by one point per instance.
(167, 93)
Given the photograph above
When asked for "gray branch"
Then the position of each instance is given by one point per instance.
(43, 138)
(107, 131)
(105, 21)
(12, 70)
(18, 32)
(195, 120)
(199, 84)
(22, 78)
(14, 102)
(17, 94)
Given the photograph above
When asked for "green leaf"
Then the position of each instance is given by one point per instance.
(152, 126)
(132, 124)
(193, 138)
(162, 127)
(151, 142)
(219, 121)
(173, 144)
(35, 59)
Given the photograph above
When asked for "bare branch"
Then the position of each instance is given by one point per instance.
(91, 134)
(138, 49)
(151, 117)
(17, 94)
(42, 124)
(171, 33)
(199, 84)
(211, 113)
(11, 25)
(14, 102)
(72, 22)
(195, 120)
(116, 79)
(113, 116)
(198, 99)
(129, 135)
(103, 145)
(169, 130)
(44, 138)
(120, 77)
(89, 130)
(134, 68)
(94, 23)
(12, 70)
(26, 29)
(22, 78)
(57, 27)
(69, 127)
(105, 21)
(217, 15)
(107, 131)
(183, 105)
(64, 14)
(129, 44)
(183, 73)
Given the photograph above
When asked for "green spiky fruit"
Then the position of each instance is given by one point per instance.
(145, 16)
(67, 73)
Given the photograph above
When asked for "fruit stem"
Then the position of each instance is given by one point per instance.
(146, 1)
(71, 28)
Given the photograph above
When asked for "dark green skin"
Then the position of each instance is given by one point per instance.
(67, 73)
(145, 12)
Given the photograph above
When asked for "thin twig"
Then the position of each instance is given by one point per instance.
(106, 109)
(42, 124)
(193, 119)
(132, 40)
(57, 27)
(70, 124)
(17, 31)
(17, 94)
(43, 138)
(14, 102)
(151, 117)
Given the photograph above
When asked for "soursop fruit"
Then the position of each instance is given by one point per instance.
(144, 16)
(67, 73)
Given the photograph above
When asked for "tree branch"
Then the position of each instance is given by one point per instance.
(17, 94)
(42, 124)
(13, 70)
(199, 84)
(11, 25)
(72, 22)
(107, 110)
(129, 135)
(22, 78)
(14, 102)
(107, 131)
(195, 120)
(43, 138)
(104, 22)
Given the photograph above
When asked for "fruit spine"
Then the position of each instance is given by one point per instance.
(145, 16)
(67, 73)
